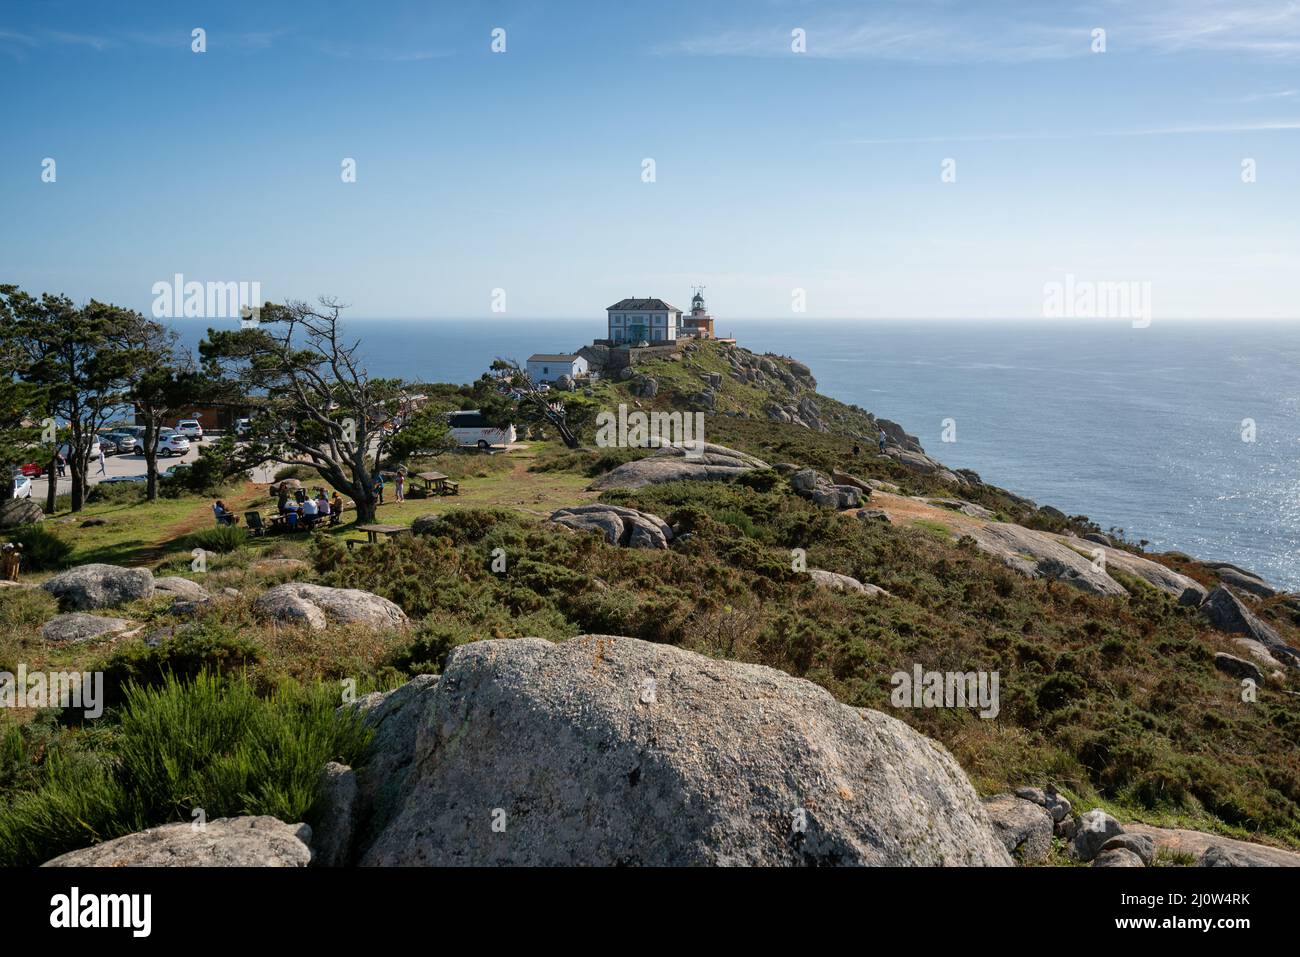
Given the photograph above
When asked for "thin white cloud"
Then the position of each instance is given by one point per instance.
(1013, 33)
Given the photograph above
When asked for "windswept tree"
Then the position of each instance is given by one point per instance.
(318, 406)
(69, 353)
(22, 404)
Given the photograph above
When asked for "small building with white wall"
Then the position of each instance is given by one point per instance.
(548, 366)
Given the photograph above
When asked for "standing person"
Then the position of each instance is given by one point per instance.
(283, 500)
(882, 441)
(379, 487)
(399, 484)
(62, 463)
(103, 469)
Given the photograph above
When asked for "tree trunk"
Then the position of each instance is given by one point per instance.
(52, 492)
(366, 507)
(151, 469)
(78, 486)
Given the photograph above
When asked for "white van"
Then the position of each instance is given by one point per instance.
(471, 429)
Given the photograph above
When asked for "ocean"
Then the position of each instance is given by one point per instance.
(1186, 435)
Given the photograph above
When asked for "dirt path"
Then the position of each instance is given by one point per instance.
(200, 517)
(908, 511)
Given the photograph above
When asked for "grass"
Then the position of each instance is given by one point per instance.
(207, 744)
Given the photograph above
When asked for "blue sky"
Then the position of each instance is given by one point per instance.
(774, 170)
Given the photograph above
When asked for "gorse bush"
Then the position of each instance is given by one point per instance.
(220, 538)
(208, 743)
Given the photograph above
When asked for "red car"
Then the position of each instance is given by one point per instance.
(31, 470)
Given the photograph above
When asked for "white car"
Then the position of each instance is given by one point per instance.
(172, 443)
(94, 450)
(191, 429)
(22, 486)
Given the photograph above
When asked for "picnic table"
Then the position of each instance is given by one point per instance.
(437, 483)
(374, 531)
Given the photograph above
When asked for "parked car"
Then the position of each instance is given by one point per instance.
(172, 443)
(22, 486)
(94, 450)
(191, 429)
(108, 445)
(125, 441)
(470, 429)
(243, 427)
(32, 470)
(124, 478)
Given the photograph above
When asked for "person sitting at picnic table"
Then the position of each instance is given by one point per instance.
(322, 503)
(336, 508)
(309, 512)
(223, 513)
(291, 516)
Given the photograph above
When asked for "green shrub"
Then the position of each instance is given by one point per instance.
(43, 550)
(204, 647)
(207, 743)
(220, 538)
(117, 493)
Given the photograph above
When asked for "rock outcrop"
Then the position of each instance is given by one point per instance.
(88, 587)
(1095, 829)
(673, 463)
(317, 606)
(78, 626)
(225, 842)
(1039, 555)
(604, 750)
(811, 484)
(627, 527)
(1229, 613)
(1186, 591)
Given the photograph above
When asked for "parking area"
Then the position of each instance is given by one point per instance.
(124, 466)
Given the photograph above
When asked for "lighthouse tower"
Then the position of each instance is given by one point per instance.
(699, 323)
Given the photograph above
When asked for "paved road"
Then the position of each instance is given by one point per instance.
(126, 465)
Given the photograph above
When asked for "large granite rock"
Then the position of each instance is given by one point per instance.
(1229, 613)
(317, 606)
(1223, 851)
(1237, 667)
(620, 526)
(1040, 555)
(1023, 827)
(20, 511)
(1186, 591)
(88, 587)
(225, 842)
(604, 750)
(78, 626)
(672, 463)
